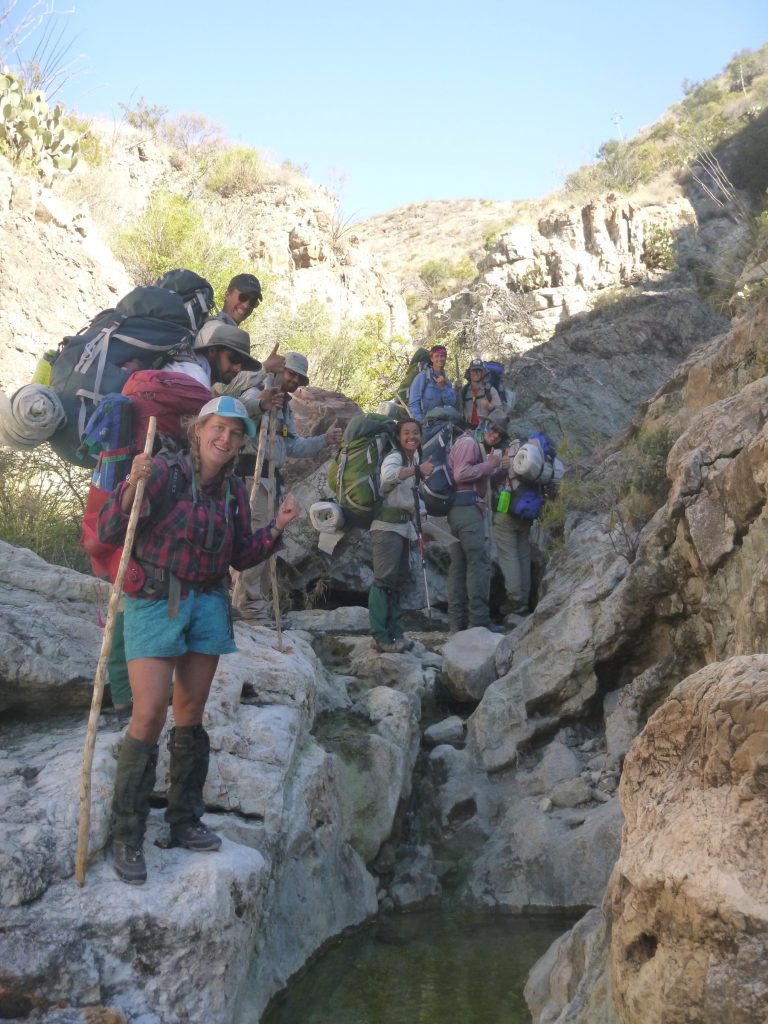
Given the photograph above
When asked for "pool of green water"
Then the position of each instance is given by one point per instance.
(425, 968)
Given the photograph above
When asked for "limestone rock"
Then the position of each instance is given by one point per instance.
(450, 730)
(469, 662)
(571, 982)
(688, 902)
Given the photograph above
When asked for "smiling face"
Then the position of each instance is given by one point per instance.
(220, 439)
(239, 305)
(292, 381)
(438, 360)
(410, 437)
(226, 365)
(492, 437)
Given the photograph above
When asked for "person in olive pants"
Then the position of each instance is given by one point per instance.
(473, 463)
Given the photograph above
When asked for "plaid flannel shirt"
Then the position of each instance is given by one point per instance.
(183, 539)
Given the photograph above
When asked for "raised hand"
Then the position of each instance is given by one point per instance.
(274, 363)
(334, 434)
(288, 511)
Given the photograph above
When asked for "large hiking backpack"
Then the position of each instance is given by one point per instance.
(494, 378)
(143, 330)
(169, 397)
(536, 474)
(196, 292)
(419, 361)
(537, 461)
(438, 491)
(353, 475)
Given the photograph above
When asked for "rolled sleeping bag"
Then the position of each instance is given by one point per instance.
(326, 516)
(529, 462)
(30, 416)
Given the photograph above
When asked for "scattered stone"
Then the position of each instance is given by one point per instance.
(571, 793)
(450, 730)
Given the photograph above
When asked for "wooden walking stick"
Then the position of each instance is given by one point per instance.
(81, 854)
(261, 448)
(271, 508)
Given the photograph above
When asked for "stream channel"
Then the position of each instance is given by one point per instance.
(421, 968)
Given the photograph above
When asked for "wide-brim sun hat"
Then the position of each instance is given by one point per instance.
(298, 363)
(498, 420)
(217, 334)
(231, 408)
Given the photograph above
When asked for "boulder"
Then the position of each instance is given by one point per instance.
(469, 662)
(689, 900)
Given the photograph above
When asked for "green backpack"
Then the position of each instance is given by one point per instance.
(353, 476)
(419, 361)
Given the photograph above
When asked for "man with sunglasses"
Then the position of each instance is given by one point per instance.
(241, 298)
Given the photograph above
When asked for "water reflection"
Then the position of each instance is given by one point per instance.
(426, 968)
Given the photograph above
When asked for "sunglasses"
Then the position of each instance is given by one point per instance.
(250, 298)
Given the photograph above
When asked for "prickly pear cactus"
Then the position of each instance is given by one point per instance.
(32, 132)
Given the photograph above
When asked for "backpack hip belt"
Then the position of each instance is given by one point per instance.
(393, 515)
(466, 498)
(162, 582)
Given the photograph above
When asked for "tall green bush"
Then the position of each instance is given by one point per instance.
(170, 232)
(42, 500)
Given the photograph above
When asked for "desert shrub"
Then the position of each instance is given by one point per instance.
(143, 116)
(91, 149)
(359, 359)
(659, 248)
(191, 132)
(236, 171)
(170, 232)
(628, 489)
(440, 277)
(42, 500)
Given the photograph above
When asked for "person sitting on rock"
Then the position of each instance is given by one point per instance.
(179, 624)
(391, 534)
(256, 602)
(477, 398)
(431, 388)
(473, 463)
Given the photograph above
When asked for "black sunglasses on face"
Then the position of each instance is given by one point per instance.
(250, 298)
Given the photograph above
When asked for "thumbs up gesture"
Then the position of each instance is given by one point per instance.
(333, 434)
(274, 363)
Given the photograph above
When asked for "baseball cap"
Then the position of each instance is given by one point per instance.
(232, 408)
(247, 283)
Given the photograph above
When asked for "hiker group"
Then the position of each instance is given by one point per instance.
(206, 497)
(443, 449)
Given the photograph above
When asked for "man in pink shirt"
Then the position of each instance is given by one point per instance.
(473, 462)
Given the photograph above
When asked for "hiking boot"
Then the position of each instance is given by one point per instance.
(196, 836)
(394, 647)
(128, 862)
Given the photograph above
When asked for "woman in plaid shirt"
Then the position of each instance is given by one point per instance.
(180, 622)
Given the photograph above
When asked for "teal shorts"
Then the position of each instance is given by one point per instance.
(202, 626)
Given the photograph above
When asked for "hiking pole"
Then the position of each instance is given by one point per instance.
(253, 498)
(81, 853)
(420, 532)
(271, 509)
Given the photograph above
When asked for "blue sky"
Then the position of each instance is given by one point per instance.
(410, 101)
